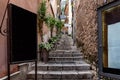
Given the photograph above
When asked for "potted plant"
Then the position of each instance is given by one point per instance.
(45, 48)
(53, 41)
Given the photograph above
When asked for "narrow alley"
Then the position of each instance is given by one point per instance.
(59, 40)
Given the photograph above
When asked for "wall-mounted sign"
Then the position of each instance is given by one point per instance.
(22, 35)
(109, 39)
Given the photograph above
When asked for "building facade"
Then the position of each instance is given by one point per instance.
(68, 14)
(29, 5)
(32, 6)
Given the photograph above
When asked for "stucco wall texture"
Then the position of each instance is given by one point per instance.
(30, 5)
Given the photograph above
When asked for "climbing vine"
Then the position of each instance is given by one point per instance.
(41, 17)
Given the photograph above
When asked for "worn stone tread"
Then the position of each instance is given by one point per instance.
(61, 74)
(65, 51)
(65, 63)
(68, 57)
(65, 67)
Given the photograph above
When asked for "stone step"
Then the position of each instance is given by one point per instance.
(63, 48)
(62, 67)
(65, 63)
(64, 54)
(79, 75)
(60, 79)
(65, 58)
(68, 62)
(73, 47)
(66, 51)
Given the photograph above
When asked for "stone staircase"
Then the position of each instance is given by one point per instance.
(65, 64)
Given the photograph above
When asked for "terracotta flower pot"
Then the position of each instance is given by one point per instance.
(40, 54)
(45, 55)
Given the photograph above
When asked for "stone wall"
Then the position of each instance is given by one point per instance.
(86, 31)
(86, 27)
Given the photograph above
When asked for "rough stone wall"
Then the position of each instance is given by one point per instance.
(86, 27)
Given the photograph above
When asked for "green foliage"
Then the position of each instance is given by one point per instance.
(41, 17)
(50, 21)
(53, 40)
(42, 10)
(46, 46)
(59, 24)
